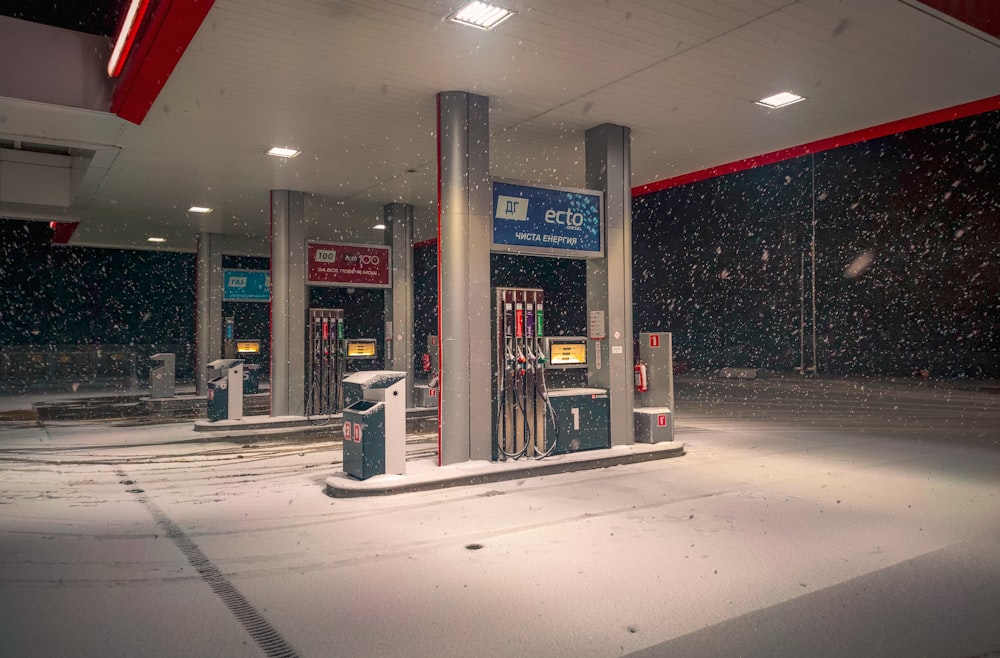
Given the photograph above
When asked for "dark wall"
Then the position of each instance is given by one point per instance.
(72, 295)
(907, 268)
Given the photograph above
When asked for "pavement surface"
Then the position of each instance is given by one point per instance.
(808, 518)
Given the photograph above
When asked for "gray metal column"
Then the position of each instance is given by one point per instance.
(464, 205)
(289, 302)
(609, 279)
(399, 299)
(208, 309)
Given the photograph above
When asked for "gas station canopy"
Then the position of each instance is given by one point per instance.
(352, 86)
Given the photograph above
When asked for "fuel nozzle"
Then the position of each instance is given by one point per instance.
(509, 359)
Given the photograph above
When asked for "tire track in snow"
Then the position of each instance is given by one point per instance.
(267, 638)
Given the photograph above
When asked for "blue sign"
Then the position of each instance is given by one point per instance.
(246, 286)
(547, 221)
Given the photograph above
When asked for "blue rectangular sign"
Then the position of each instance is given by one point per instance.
(246, 286)
(547, 221)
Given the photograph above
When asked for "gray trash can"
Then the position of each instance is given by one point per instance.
(364, 439)
(225, 392)
(375, 423)
(161, 376)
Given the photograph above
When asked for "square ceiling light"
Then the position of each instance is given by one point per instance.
(283, 152)
(200, 209)
(780, 100)
(481, 15)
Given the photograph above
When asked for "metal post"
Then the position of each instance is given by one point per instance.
(609, 279)
(208, 309)
(464, 203)
(288, 303)
(399, 299)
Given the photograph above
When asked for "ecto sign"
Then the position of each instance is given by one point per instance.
(566, 218)
(547, 221)
(349, 265)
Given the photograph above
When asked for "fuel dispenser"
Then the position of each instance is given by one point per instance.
(229, 337)
(326, 362)
(654, 388)
(361, 353)
(521, 402)
(580, 415)
(246, 349)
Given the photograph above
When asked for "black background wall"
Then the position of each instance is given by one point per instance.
(907, 268)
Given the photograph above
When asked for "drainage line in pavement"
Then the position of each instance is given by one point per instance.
(268, 639)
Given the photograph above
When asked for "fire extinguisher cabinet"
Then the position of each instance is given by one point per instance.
(653, 425)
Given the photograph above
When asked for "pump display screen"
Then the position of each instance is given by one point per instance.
(248, 346)
(361, 349)
(567, 352)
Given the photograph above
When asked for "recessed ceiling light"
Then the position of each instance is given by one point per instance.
(480, 15)
(283, 152)
(199, 209)
(780, 100)
(379, 227)
(156, 239)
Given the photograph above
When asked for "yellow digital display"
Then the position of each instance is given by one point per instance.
(361, 349)
(248, 346)
(567, 354)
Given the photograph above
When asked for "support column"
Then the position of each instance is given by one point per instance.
(208, 309)
(399, 299)
(289, 302)
(609, 279)
(464, 201)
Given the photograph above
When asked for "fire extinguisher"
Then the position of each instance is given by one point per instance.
(641, 382)
(425, 362)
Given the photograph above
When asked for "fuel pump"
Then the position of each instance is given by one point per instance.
(326, 362)
(229, 338)
(520, 398)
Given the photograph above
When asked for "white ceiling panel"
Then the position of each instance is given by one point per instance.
(353, 82)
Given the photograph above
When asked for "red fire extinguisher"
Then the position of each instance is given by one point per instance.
(641, 382)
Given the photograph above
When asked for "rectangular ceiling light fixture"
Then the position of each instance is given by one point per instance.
(156, 239)
(199, 209)
(480, 15)
(126, 36)
(780, 100)
(282, 152)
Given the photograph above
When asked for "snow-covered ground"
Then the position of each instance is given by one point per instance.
(806, 519)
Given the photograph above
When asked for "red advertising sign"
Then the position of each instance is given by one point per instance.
(350, 265)
(654, 340)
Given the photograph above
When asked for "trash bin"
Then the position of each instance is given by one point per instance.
(251, 378)
(225, 392)
(161, 376)
(375, 423)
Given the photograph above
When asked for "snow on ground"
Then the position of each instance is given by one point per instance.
(802, 521)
